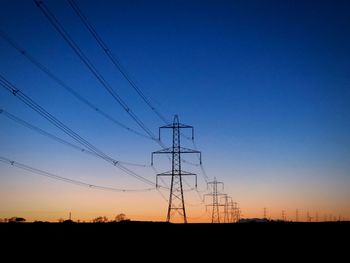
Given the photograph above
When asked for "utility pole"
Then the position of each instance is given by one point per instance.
(176, 198)
(215, 216)
(265, 217)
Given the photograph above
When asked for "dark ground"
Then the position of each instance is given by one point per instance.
(332, 239)
(143, 230)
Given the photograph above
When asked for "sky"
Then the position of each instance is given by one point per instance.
(266, 85)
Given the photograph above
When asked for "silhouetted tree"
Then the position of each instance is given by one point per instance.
(16, 219)
(120, 217)
(100, 219)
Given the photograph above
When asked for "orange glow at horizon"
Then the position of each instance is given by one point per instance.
(85, 205)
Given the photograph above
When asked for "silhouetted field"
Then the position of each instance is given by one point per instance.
(154, 231)
(149, 241)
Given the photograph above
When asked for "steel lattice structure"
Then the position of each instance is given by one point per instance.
(215, 216)
(176, 198)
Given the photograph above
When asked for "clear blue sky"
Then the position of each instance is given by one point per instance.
(265, 83)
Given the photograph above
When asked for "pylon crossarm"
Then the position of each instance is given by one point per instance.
(177, 125)
(176, 150)
(188, 150)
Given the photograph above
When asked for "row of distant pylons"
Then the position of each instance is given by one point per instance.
(306, 217)
(231, 211)
(224, 209)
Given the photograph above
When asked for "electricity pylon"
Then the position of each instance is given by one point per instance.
(176, 198)
(226, 208)
(234, 212)
(232, 206)
(238, 214)
(284, 218)
(308, 217)
(215, 216)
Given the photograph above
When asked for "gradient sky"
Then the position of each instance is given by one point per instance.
(266, 85)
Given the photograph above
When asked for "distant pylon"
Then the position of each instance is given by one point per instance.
(283, 215)
(176, 198)
(239, 214)
(308, 217)
(233, 211)
(265, 216)
(215, 216)
(226, 208)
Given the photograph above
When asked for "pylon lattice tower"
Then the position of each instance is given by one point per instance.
(238, 214)
(234, 212)
(176, 198)
(226, 208)
(215, 216)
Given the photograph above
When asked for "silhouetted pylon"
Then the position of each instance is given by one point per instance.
(176, 198)
(284, 215)
(308, 217)
(233, 211)
(226, 208)
(215, 216)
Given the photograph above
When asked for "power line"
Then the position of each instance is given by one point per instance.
(60, 29)
(91, 149)
(113, 58)
(60, 125)
(74, 93)
(118, 65)
(53, 20)
(64, 85)
(56, 138)
(68, 180)
(29, 102)
(203, 171)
